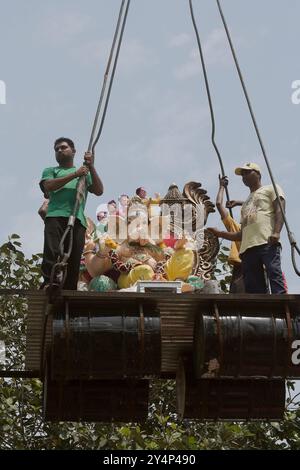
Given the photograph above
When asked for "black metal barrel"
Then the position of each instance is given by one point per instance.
(229, 399)
(95, 400)
(248, 344)
(102, 346)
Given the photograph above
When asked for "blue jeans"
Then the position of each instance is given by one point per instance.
(254, 260)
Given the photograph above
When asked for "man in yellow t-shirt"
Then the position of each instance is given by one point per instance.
(261, 224)
(237, 281)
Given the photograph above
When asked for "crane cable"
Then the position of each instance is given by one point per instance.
(292, 240)
(59, 270)
(211, 109)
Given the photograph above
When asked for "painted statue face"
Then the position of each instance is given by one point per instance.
(112, 207)
(101, 215)
(124, 200)
(137, 219)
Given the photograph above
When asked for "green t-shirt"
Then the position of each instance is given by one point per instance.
(61, 201)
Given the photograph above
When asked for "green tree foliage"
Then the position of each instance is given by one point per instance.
(223, 271)
(21, 421)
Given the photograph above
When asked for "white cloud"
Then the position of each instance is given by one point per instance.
(92, 52)
(30, 227)
(216, 47)
(179, 40)
(190, 68)
(175, 125)
(165, 151)
(133, 54)
(179, 117)
(63, 27)
(215, 50)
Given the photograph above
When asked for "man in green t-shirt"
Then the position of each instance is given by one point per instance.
(59, 185)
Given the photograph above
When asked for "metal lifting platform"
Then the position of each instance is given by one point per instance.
(230, 354)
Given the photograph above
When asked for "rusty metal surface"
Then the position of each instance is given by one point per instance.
(32, 322)
(177, 311)
(177, 330)
(239, 345)
(227, 399)
(24, 374)
(35, 320)
(96, 400)
(95, 345)
(122, 400)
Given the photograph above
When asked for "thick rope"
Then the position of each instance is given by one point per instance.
(291, 238)
(106, 74)
(112, 76)
(213, 130)
(59, 270)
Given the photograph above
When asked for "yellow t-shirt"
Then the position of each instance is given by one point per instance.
(233, 226)
(258, 217)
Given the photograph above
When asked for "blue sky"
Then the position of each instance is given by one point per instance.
(157, 130)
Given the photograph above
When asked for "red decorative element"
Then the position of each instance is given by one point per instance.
(170, 240)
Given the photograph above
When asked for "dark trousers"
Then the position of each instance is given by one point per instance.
(237, 280)
(54, 230)
(253, 262)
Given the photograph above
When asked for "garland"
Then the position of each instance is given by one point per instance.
(118, 264)
(122, 267)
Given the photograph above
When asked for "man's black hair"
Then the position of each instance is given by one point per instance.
(65, 139)
(137, 191)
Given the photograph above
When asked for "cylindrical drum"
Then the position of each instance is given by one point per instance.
(86, 346)
(228, 399)
(95, 400)
(240, 345)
